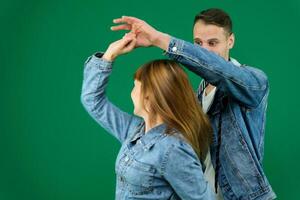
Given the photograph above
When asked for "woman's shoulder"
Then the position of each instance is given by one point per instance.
(176, 142)
(176, 152)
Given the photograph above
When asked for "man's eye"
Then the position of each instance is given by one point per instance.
(212, 44)
(198, 43)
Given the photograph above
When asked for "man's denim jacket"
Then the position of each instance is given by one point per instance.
(154, 165)
(241, 102)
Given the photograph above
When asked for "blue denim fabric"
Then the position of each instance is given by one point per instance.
(241, 102)
(152, 165)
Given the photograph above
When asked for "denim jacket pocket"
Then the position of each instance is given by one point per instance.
(140, 177)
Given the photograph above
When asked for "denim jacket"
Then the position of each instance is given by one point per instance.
(238, 112)
(154, 165)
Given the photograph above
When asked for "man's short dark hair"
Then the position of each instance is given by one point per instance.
(216, 17)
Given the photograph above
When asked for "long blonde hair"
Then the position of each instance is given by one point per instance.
(171, 96)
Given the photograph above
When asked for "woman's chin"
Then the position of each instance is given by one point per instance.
(137, 113)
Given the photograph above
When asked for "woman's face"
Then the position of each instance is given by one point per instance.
(136, 99)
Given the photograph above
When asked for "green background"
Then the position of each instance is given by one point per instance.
(50, 149)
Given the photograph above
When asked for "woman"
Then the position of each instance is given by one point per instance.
(163, 144)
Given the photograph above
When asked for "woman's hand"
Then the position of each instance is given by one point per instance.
(119, 47)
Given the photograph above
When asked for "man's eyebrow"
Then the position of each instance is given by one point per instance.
(213, 40)
(209, 40)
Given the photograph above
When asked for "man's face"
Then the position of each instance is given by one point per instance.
(213, 38)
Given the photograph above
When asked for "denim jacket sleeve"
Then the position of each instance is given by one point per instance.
(94, 100)
(245, 84)
(182, 169)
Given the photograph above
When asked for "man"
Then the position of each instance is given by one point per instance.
(233, 95)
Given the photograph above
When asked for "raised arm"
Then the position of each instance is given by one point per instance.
(245, 84)
(96, 74)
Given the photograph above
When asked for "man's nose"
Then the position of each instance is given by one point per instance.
(206, 46)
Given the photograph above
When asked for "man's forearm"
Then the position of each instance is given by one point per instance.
(162, 41)
(246, 84)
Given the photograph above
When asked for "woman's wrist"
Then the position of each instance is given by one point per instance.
(108, 57)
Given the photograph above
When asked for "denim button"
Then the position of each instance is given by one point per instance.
(174, 49)
(126, 159)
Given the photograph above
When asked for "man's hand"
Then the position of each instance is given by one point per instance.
(146, 35)
(119, 47)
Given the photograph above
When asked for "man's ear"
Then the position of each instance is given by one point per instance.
(231, 40)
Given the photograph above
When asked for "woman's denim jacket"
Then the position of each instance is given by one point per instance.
(154, 165)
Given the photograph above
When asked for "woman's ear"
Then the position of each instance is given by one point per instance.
(147, 104)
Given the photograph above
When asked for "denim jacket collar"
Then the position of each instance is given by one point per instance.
(151, 137)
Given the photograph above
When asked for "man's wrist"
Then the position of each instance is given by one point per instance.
(162, 41)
